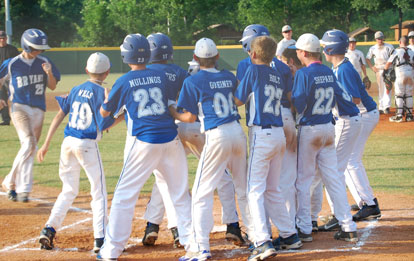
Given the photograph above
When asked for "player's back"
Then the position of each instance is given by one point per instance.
(145, 94)
(174, 73)
(314, 94)
(83, 104)
(213, 92)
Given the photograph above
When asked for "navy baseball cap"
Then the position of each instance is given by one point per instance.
(2, 34)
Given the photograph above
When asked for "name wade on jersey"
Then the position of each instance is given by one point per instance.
(144, 81)
(221, 84)
(28, 79)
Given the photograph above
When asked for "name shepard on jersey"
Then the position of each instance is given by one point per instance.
(323, 79)
(221, 84)
(28, 79)
(144, 81)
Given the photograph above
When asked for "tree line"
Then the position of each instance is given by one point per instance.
(89, 23)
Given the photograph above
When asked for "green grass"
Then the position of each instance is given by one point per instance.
(388, 158)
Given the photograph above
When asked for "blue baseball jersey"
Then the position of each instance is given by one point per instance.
(315, 91)
(261, 89)
(174, 73)
(209, 94)
(279, 66)
(144, 94)
(28, 80)
(348, 79)
(83, 104)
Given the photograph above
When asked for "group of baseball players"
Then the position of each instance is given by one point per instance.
(307, 128)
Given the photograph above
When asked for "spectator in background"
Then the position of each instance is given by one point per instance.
(285, 42)
(6, 51)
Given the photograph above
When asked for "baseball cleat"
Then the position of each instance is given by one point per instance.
(176, 237)
(355, 207)
(396, 118)
(331, 225)
(314, 226)
(12, 195)
(99, 258)
(387, 111)
(23, 197)
(304, 237)
(368, 212)
(346, 236)
(98, 244)
(196, 256)
(46, 238)
(409, 117)
(291, 242)
(263, 251)
(151, 234)
(233, 234)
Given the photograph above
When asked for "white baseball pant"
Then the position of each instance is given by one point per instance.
(316, 149)
(384, 97)
(267, 147)
(143, 158)
(289, 163)
(347, 130)
(355, 175)
(404, 83)
(28, 122)
(225, 147)
(76, 154)
(193, 142)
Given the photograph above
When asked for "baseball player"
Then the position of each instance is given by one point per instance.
(285, 42)
(288, 176)
(411, 40)
(209, 95)
(193, 142)
(80, 150)
(403, 60)
(357, 58)
(381, 52)
(347, 118)
(29, 74)
(144, 94)
(315, 91)
(261, 89)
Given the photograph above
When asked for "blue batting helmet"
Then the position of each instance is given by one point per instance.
(335, 42)
(135, 49)
(34, 39)
(250, 32)
(161, 47)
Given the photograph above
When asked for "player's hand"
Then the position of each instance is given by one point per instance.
(47, 67)
(374, 69)
(41, 153)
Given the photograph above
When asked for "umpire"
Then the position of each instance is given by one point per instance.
(6, 51)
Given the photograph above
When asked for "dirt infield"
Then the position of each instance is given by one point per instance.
(390, 238)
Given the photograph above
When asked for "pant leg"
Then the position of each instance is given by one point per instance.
(289, 164)
(69, 171)
(316, 192)
(384, 98)
(227, 197)
(173, 171)
(140, 163)
(90, 159)
(26, 120)
(154, 212)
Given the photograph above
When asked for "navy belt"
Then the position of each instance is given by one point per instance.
(266, 127)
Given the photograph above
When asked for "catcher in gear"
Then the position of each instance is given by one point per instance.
(389, 78)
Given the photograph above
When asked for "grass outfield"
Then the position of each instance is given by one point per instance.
(388, 158)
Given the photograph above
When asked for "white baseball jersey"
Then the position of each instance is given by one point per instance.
(282, 45)
(411, 46)
(380, 54)
(357, 58)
